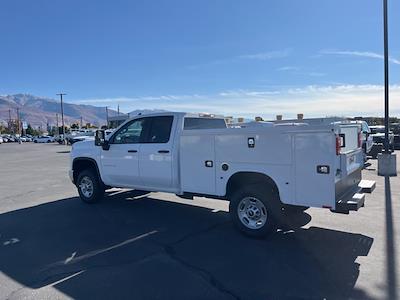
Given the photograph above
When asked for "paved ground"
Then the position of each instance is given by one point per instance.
(157, 246)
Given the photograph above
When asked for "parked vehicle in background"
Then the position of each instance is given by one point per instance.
(43, 139)
(367, 139)
(1, 140)
(11, 139)
(395, 128)
(75, 136)
(59, 139)
(378, 137)
(81, 138)
(268, 173)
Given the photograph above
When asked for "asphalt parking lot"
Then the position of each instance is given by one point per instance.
(157, 246)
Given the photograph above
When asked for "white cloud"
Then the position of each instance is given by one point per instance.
(313, 101)
(266, 55)
(298, 71)
(361, 54)
(256, 56)
(288, 68)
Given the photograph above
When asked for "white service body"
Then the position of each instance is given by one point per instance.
(303, 161)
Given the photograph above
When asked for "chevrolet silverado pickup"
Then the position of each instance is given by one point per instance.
(264, 171)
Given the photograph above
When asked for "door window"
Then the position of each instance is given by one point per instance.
(131, 133)
(160, 130)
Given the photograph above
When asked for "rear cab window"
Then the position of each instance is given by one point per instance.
(191, 123)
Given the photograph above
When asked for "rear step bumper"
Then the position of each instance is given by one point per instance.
(354, 199)
(367, 186)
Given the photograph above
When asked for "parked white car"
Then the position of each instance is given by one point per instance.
(264, 171)
(1, 140)
(43, 139)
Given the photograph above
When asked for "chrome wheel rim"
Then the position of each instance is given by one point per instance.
(252, 213)
(86, 186)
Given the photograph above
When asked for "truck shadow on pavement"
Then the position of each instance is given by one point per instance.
(147, 248)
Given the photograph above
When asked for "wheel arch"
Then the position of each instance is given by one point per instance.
(241, 179)
(83, 163)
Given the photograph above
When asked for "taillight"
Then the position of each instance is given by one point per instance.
(338, 144)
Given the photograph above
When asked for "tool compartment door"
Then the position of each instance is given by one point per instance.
(314, 152)
(197, 163)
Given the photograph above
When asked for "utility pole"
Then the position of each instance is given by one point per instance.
(62, 115)
(107, 115)
(18, 125)
(9, 120)
(118, 109)
(81, 123)
(58, 129)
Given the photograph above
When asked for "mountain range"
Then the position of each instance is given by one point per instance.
(41, 111)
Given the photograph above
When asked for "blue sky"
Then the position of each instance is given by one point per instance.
(232, 57)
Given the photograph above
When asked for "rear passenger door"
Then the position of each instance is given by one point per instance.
(156, 156)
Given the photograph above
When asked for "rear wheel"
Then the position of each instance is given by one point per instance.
(90, 188)
(255, 211)
(294, 209)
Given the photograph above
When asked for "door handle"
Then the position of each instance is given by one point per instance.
(163, 151)
(132, 151)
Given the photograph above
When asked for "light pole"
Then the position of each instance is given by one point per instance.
(62, 115)
(386, 64)
(386, 160)
(107, 115)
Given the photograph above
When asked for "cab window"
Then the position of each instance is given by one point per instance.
(131, 133)
(160, 129)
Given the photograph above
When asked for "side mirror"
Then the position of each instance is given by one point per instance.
(100, 138)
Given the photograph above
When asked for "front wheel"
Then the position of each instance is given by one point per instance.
(90, 188)
(255, 210)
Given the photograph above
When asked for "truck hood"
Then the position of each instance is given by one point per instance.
(84, 144)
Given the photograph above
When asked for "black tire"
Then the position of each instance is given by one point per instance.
(85, 178)
(294, 209)
(269, 200)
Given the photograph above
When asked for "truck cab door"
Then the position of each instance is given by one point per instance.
(157, 157)
(120, 163)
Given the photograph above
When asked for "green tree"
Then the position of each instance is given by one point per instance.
(32, 131)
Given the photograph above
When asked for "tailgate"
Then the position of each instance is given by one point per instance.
(350, 155)
(349, 187)
(350, 162)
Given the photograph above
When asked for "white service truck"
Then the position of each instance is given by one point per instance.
(264, 171)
